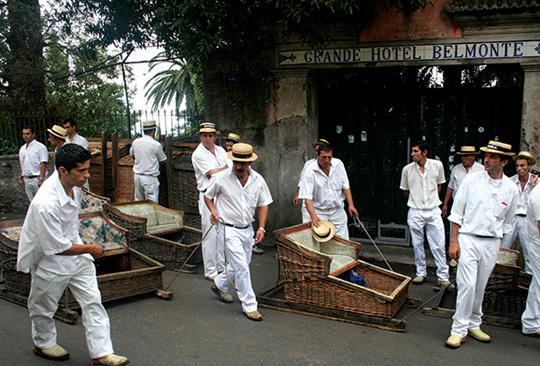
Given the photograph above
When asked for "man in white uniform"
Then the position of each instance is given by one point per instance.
(33, 158)
(524, 181)
(530, 320)
(208, 159)
(148, 154)
(459, 172)
(482, 212)
(51, 249)
(305, 213)
(72, 136)
(421, 183)
(232, 197)
(324, 188)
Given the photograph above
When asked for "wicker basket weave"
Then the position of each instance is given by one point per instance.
(308, 280)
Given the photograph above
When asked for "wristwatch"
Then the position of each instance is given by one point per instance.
(261, 228)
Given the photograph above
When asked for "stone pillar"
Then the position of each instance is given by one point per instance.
(293, 125)
(530, 113)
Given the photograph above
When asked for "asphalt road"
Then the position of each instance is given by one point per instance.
(195, 328)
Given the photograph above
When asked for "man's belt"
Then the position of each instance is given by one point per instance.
(485, 237)
(521, 215)
(236, 227)
(30, 176)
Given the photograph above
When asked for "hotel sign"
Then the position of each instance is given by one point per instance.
(432, 52)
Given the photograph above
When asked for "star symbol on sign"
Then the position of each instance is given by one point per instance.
(537, 48)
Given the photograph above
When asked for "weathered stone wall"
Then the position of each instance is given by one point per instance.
(12, 196)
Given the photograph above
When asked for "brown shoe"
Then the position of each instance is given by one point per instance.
(254, 315)
(111, 360)
(55, 353)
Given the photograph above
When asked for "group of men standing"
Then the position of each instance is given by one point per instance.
(488, 209)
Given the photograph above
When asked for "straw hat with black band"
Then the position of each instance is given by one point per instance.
(525, 155)
(149, 125)
(58, 131)
(324, 232)
(498, 148)
(242, 152)
(468, 150)
(207, 127)
(233, 137)
(319, 142)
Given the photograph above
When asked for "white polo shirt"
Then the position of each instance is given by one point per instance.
(148, 154)
(79, 140)
(51, 226)
(485, 206)
(203, 161)
(533, 216)
(423, 187)
(459, 173)
(31, 156)
(326, 191)
(521, 208)
(235, 204)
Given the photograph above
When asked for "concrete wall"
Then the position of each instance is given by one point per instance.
(12, 196)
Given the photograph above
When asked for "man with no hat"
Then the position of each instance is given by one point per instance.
(51, 249)
(74, 138)
(232, 197)
(148, 154)
(324, 188)
(482, 212)
(33, 158)
(421, 182)
(530, 319)
(524, 181)
(208, 159)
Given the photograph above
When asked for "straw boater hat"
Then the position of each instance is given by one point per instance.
(525, 155)
(468, 150)
(324, 232)
(242, 152)
(148, 125)
(319, 142)
(207, 127)
(58, 131)
(233, 137)
(499, 148)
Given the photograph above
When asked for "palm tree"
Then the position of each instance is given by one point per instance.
(175, 83)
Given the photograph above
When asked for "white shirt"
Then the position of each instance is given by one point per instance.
(31, 156)
(148, 154)
(204, 161)
(306, 164)
(235, 204)
(423, 187)
(79, 140)
(459, 173)
(326, 191)
(485, 206)
(51, 226)
(533, 216)
(521, 208)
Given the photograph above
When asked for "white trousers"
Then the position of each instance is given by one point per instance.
(212, 250)
(336, 216)
(31, 187)
(477, 259)
(519, 227)
(146, 188)
(45, 292)
(431, 221)
(305, 213)
(530, 320)
(239, 244)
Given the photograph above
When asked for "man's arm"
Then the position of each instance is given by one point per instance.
(348, 196)
(295, 199)
(214, 218)
(449, 192)
(263, 215)
(215, 171)
(309, 207)
(454, 245)
(406, 193)
(76, 249)
(21, 182)
(42, 172)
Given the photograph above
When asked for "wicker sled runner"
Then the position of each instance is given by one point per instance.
(312, 271)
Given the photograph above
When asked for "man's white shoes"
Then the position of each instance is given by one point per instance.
(418, 280)
(479, 335)
(55, 353)
(454, 341)
(111, 360)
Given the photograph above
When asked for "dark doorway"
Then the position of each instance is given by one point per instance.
(372, 115)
